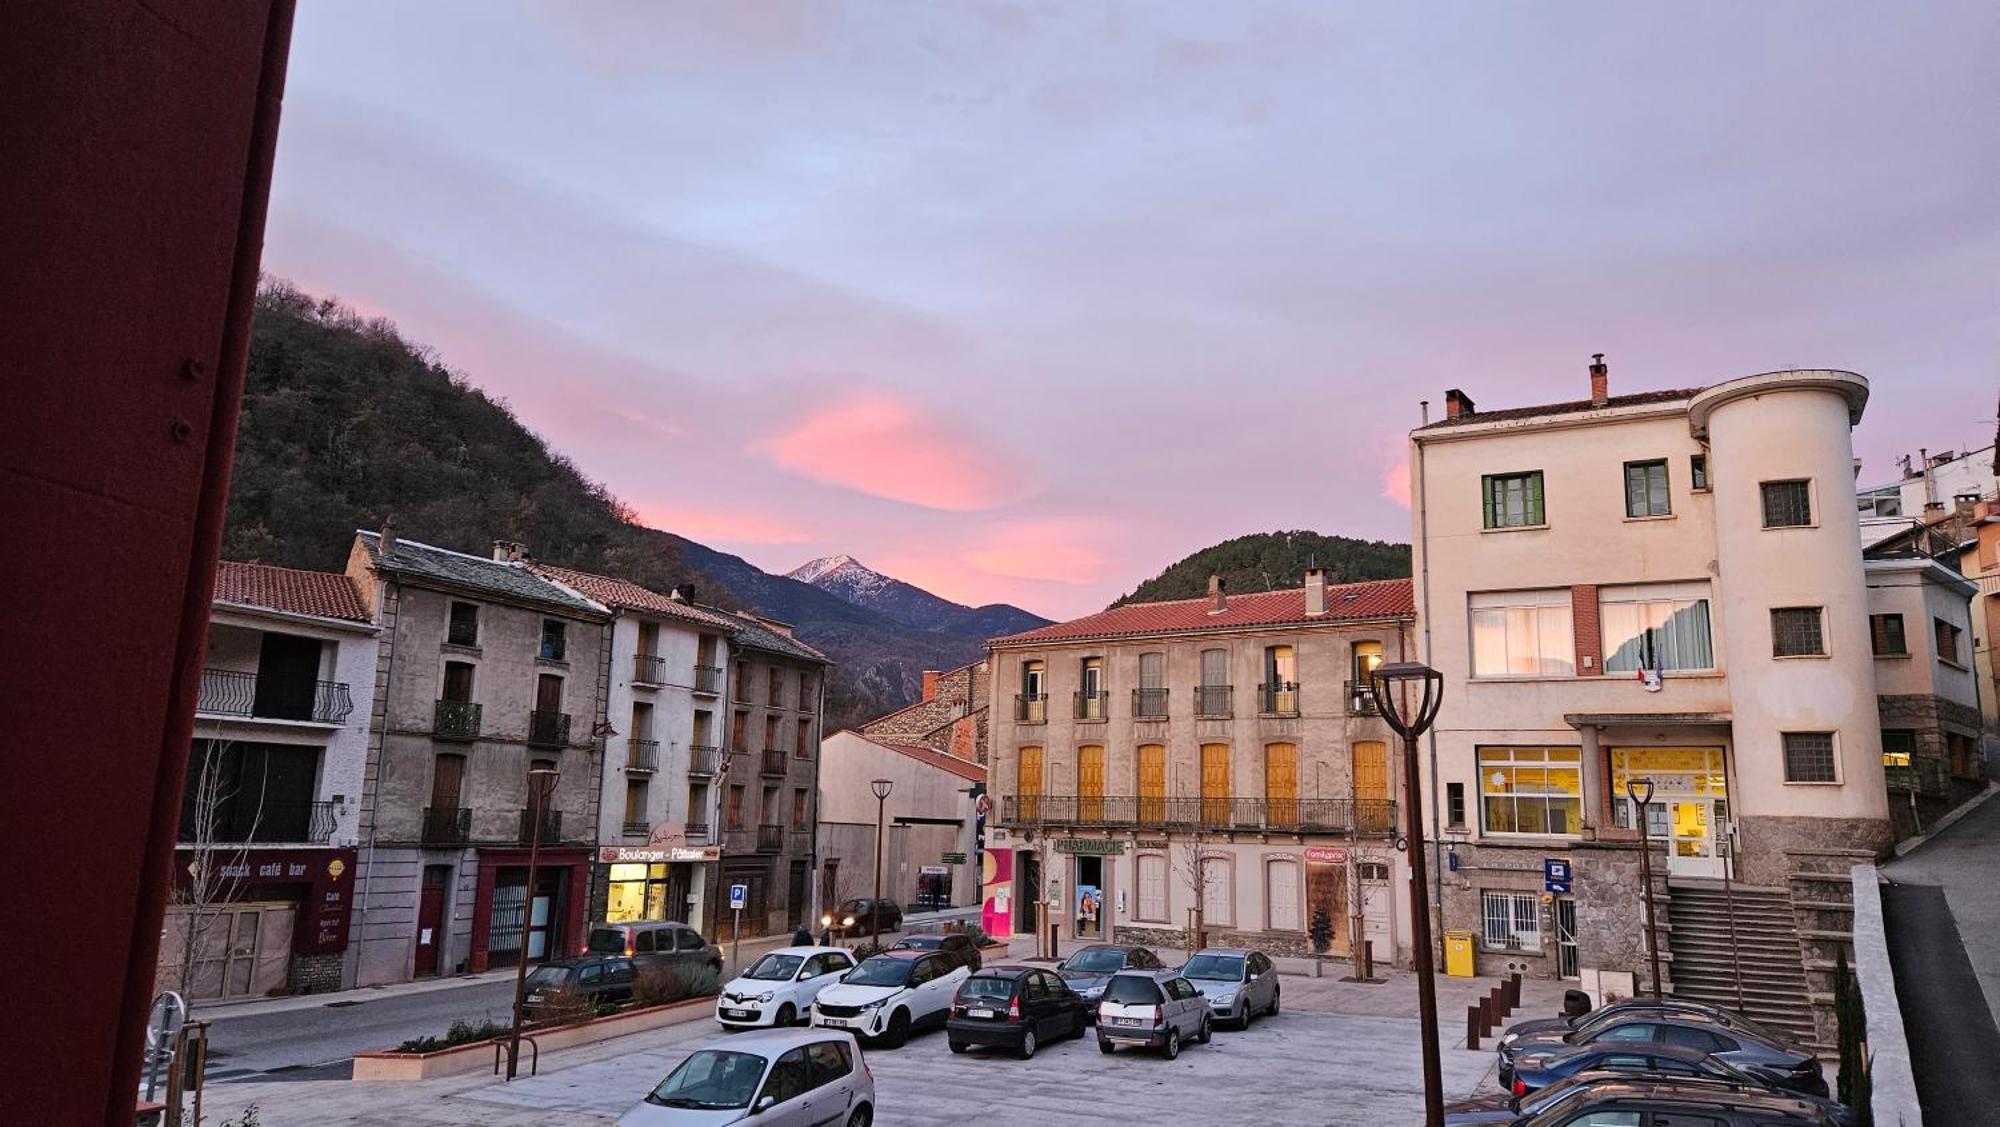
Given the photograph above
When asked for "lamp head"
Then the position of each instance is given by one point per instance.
(1640, 789)
(882, 787)
(1425, 707)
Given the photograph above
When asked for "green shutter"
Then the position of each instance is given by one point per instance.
(1534, 506)
(1492, 516)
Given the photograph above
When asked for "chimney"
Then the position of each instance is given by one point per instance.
(682, 593)
(1600, 380)
(1315, 592)
(1216, 585)
(930, 685)
(1457, 404)
(509, 551)
(388, 538)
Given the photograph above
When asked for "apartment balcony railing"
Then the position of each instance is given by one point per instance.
(1136, 812)
(447, 825)
(1360, 699)
(642, 756)
(242, 820)
(228, 692)
(637, 829)
(698, 833)
(649, 669)
(541, 822)
(708, 679)
(456, 720)
(548, 729)
(1091, 705)
(1031, 708)
(1211, 702)
(770, 839)
(1149, 704)
(1278, 698)
(1921, 777)
(774, 762)
(703, 759)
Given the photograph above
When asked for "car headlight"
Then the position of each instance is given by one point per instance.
(848, 922)
(874, 1005)
(764, 997)
(1223, 999)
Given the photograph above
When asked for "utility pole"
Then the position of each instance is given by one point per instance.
(881, 787)
(1640, 791)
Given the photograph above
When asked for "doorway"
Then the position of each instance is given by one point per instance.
(1089, 898)
(1689, 808)
(522, 922)
(797, 905)
(1566, 957)
(430, 919)
(1028, 893)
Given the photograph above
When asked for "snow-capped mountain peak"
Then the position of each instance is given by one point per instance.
(851, 580)
(812, 571)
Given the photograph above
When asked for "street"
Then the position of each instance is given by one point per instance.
(318, 1042)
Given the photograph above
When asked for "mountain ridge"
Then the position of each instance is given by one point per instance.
(855, 582)
(1273, 561)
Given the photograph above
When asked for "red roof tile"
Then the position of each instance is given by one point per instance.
(971, 772)
(325, 594)
(1382, 598)
(627, 595)
(1636, 399)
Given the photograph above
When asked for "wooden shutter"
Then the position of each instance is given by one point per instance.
(447, 780)
(1152, 784)
(1281, 784)
(1090, 782)
(1371, 785)
(1028, 783)
(1215, 784)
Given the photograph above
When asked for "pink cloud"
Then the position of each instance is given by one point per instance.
(1396, 479)
(707, 526)
(1051, 551)
(885, 447)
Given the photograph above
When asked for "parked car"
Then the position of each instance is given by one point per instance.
(1549, 1028)
(852, 917)
(1239, 984)
(1088, 970)
(1503, 1108)
(778, 1076)
(1609, 1103)
(1015, 1007)
(664, 943)
(598, 979)
(1153, 1009)
(891, 994)
(1535, 1071)
(779, 988)
(1782, 1065)
(958, 946)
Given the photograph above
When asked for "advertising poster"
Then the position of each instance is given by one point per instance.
(996, 880)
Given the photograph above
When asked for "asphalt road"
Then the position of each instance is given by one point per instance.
(318, 1042)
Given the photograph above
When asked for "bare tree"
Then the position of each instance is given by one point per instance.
(1189, 857)
(215, 867)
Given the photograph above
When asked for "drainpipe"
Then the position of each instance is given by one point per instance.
(1424, 584)
(813, 878)
(360, 925)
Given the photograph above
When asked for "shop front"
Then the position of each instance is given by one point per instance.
(655, 882)
(1689, 808)
(263, 920)
(511, 921)
(1089, 868)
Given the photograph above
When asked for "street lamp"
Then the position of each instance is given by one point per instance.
(1410, 725)
(1640, 791)
(541, 787)
(881, 787)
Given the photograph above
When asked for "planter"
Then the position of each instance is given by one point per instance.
(388, 1064)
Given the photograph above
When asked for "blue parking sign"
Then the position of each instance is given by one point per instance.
(738, 894)
(1556, 874)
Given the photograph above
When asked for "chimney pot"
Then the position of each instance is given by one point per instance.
(1217, 590)
(388, 538)
(509, 551)
(1600, 380)
(1315, 592)
(930, 685)
(1457, 404)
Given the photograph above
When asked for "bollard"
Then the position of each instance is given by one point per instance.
(1486, 1021)
(1472, 1031)
(1513, 985)
(1499, 996)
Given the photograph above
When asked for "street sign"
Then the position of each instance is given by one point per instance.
(739, 895)
(954, 858)
(1556, 874)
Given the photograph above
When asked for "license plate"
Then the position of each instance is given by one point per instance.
(533, 998)
(740, 1013)
(979, 1013)
(1124, 1021)
(837, 1022)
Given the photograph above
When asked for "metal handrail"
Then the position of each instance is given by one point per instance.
(548, 729)
(1031, 708)
(1211, 702)
(1360, 699)
(708, 679)
(1278, 698)
(1149, 704)
(447, 825)
(232, 692)
(703, 759)
(649, 669)
(1300, 815)
(770, 839)
(774, 762)
(269, 822)
(1091, 706)
(547, 822)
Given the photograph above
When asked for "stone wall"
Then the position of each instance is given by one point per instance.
(315, 974)
(1291, 944)
(1762, 860)
(1611, 909)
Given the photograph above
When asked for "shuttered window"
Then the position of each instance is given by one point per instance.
(1152, 887)
(1513, 500)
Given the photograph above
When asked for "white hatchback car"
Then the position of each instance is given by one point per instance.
(779, 988)
(773, 1078)
(892, 993)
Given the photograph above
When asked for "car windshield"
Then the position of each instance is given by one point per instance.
(547, 977)
(1132, 990)
(853, 906)
(711, 1079)
(775, 968)
(987, 986)
(1096, 960)
(881, 972)
(1215, 968)
(607, 940)
(920, 943)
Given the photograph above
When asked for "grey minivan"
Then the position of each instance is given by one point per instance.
(660, 943)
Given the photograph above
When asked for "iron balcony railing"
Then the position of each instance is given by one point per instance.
(447, 825)
(1921, 776)
(708, 679)
(1091, 705)
(456, 720)
(770, 839)
(1278, 698)
(638, 829)
(642, 756)
(1149, 704)
(703, 759)
(241, 819)
(1138, 812)
(774, 761)
(649, 669)
(548, 729)
(547, 822)
(1031, 708)
(228, 692)
(1360, 699)
(1211, 701)
(697, 833)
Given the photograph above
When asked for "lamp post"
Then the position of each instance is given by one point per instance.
(1410, 725)
(541, 787)
(881, 787)
(1640, 791)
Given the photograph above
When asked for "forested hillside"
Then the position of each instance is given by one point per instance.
(1269, 561)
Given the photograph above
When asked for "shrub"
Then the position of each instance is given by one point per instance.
(702, 982)
(1321, 931)
(461, 1032)
(655, 986)
(247, 1119)
(564, 1007)
(977, 934)
(865, 950)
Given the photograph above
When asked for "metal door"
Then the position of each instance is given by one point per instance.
(1566, 960)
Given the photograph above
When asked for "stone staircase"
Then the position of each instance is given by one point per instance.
(1766, 950)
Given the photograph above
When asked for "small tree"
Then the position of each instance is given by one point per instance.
(1189, 856)
(215, 867)
(1321, 930)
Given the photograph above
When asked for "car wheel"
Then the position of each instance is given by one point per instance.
(959, 1046)
(1274, 1003)
(787, 1016)
(1106, 1047)
(862, 1117)
(1207, 1031)
(899, 1029)
(1173, 1043)
(1027, 1044)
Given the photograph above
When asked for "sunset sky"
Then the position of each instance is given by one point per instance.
(1023, 302)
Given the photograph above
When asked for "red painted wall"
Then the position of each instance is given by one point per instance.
(576, 889)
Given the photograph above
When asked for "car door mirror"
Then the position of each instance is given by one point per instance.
(763, 1104)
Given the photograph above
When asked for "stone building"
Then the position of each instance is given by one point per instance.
(951, 715)
(486, 672)
(929, 822)
(1217, 753)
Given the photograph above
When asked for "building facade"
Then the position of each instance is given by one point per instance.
(928, 824)
(1211, 765)
(1921, 632)
(950, 716)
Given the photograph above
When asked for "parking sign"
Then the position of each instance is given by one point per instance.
(738, 895)
(1555, 875)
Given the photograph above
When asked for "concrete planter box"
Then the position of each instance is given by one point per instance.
(387, 1064)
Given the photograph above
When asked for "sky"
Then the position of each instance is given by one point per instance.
(1023, 302)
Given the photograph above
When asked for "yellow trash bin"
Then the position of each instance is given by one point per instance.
(1458, 961)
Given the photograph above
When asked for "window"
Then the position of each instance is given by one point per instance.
(1454, 804)
(1212, 696)
(1947, 641)
(1661, 626)
(458, 681)
(1367, 658)
(464, 628)
(1218, 897)
(1809, 758)
(799, 808)
(734, 816)
(1149, 700)
(1281, 894)
(1958, 755)
(830, 1059)
(1152, 887)
(1698, 472)
(1031, 707)
(1090, 690)
(635, 806)
(1513, 500)
(1513, 921)
(739, 732)
(790, 1078)
(1281, 681)
(1531, 790)
(770, 733)
(1885, 635)
(1899, 746)
(1646, 489)
(804, 748)
(1522, 634)
(805, 692)
(768, 813)
(554, 643)
(1795, 632)
(1787, 504)
(774, 681)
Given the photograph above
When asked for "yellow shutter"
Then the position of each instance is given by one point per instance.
(1090, 783)
(1152, 784)
(1281, 784)
(1371, 786)
(1215, 784)
(1028, 783)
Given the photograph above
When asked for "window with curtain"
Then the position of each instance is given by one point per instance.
(1513, 500)
(1522, 633)
(1149, 700)
(1646, 489)
(1531, 790)
(1212, 695)
(1152, 888)
(1663, 626)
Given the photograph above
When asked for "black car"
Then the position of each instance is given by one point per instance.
(1015, 1007)
(1534, 1071)
(1503, 1108)
(853, 917)
(960, 947)
(1088, 969)
(596, 979)
(1673, 1102)
(1780, 1064)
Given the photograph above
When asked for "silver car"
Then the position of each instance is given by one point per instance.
(774, 1078)
(1238, 983)
(1151, 1009)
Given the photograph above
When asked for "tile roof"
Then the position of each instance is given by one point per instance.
(753, 634)
(415, 561)
(931, 757)
(626, 595)
(323, 594)
(1637, 399)
(1381, 598)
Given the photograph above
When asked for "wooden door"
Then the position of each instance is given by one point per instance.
(1090, 783)
(548, 693)
(1371, 787)
(446, 781)
(1028, 783)
(1152, 773)
(1215, 784)
(1281, 784)
(430, 918)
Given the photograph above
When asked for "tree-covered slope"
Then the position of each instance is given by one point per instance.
(1270, 561)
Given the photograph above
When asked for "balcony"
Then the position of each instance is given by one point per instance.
(637, 829)
(1360, 699)
(1211, 702)
(1031, 708)
(228, 692)
(540, 822)
(774, 762)
(1149, 704)
(1091, 705)
(649, 669)
(447, 825)
(703, 760)
(548, 729)
(456, 720)
(242, 820)
(1278, 698)
(642, 756)
(1128, 812)
(698, 833)
(708, 679)
(770, 839)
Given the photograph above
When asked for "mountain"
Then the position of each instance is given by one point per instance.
(854, 582)
(1270, 561)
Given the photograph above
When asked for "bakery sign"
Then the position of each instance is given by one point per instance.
(655, 855)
